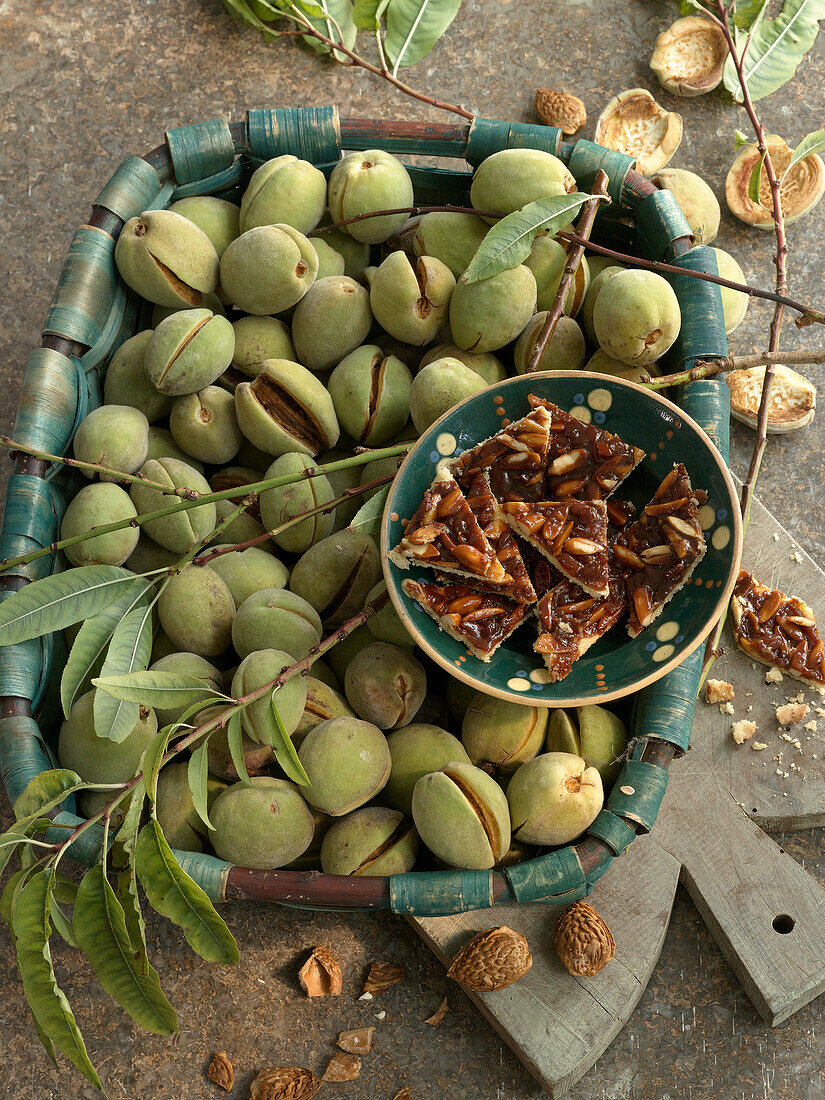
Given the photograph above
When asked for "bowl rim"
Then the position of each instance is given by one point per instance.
(660, 670)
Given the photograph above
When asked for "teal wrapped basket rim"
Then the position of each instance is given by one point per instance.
(88, 311)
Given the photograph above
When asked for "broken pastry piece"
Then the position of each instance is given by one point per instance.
(445, 535)
(570, 622)
(479, 620)
(778, 630)
(661, 549)
(487, 511)
(571, 534)
(515, 459)
(583, 460)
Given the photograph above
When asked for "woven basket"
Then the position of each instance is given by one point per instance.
(92, 314)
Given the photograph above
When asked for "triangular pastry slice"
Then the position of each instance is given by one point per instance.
(514, 458)
(479, 620)
(488, 512)
(571, 621)
(571, 534)
(445, 535)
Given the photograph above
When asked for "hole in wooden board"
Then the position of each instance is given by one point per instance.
(783, 924)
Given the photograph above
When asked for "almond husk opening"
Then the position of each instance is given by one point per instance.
(689, 57)
(634, 123)
(800, 190)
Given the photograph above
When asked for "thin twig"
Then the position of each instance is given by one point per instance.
(709, 368)
(574, 257)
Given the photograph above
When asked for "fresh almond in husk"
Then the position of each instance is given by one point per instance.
(491, 960)
(284, 1083)
(583, 941)
(320, 976)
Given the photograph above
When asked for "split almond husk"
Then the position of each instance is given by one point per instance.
(689, 57)
(583, 941)
(284, 1083)
(800, 189)
(342, 1067)
(491, 960)
(634, 123)
(791, 405)
(560, 109)
(320, 976)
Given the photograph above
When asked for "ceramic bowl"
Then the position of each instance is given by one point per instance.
(616, 665)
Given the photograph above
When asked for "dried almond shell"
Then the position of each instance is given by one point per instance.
(689, 57)
(791, 406)
(800, 189)
(491, 960)
(381, 977)
(221, 1072)
(284, 1083)
(560, 109)
(439, 1014)
(342, 1067)
(357, 1041)
(583, 941)
(634, 123)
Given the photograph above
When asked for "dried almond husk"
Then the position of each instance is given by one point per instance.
(560, 109)
(342, 1067)
(320, 976)
(634, 123)
(800, 189)
(221, 1072)
(382, 976)
(357, 1041)
(284, 1083)
(791, 405)
(491, 960)
(689, 57)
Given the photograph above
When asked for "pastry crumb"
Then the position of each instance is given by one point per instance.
(726, 708)
(718, 691)
(791, 713)
(811, 726)
(743, 730)
(758, 746)
(773, 676)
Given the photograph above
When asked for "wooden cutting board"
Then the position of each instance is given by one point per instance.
(765, 911)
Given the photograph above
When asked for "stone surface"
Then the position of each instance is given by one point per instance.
(85, 84)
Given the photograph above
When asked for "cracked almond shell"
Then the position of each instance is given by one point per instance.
(321, 976)
(461, 815)
(167, 259)
(689, 57)
(286, 408)
(635, 124)
(791, 406)
(800, 189)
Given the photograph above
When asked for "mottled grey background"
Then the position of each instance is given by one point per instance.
(83, 83)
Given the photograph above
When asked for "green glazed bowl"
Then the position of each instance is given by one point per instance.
(616, 665)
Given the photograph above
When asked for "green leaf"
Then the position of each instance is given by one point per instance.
(329, 17)
(46, 999)
(284, 750)
(11, 892)
(414, 27)
(9, 843)
(811, 144)
(173, 894)
(509, 241)
(197, 774)
(152, 760)
(368, 516)
(755, 180)
(65, 891)
(62, 925)
(101, 930)
(45, 791)
(154, 688)
(367, 14)
(129, 651)
(776, 48)
(741, 139)
(234, 738)
(243, 12)
(55, 602)
(127, 889)
(86, 656)
(747, 12)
